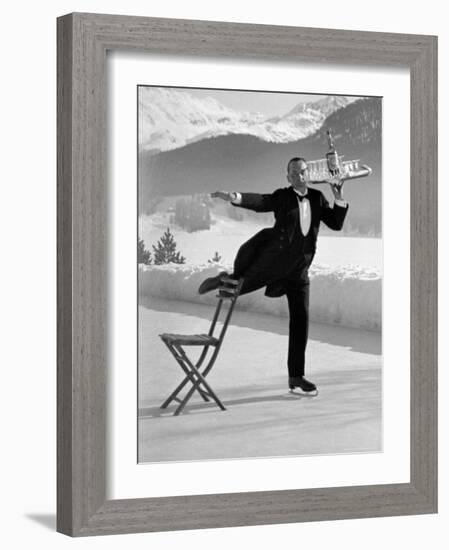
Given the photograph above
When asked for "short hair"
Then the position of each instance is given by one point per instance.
(295, 159)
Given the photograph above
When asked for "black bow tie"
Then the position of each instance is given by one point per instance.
(301, 197)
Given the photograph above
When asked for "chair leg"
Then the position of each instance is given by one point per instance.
(194, 376)
(189, 376)
(189, 394)
(196, 384)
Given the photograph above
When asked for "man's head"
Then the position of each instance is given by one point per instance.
(296, 173)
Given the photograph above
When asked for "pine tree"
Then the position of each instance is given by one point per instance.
(143, 255)
(165, 250)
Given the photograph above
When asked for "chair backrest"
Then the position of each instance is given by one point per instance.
(228, 292)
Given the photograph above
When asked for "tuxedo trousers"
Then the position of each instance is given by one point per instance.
(264, 265)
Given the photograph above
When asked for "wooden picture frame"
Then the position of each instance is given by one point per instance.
(83, 40)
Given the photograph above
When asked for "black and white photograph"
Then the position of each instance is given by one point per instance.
(260, 274)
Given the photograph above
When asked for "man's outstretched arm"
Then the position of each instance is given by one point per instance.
(252, 201)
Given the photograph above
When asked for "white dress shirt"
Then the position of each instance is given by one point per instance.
(305, 215)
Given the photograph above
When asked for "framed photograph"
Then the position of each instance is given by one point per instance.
(247, 292)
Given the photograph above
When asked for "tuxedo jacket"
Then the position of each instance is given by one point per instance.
(275, 252)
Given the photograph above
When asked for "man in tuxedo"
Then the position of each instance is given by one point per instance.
(279, 257)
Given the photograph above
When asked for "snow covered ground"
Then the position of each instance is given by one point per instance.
(250, 376)
(348, 296)
(226, 235)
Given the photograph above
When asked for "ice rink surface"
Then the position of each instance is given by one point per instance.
(250, 376)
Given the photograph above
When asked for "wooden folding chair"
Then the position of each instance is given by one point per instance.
(196, 373)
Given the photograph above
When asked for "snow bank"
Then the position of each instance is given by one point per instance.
(349, 296)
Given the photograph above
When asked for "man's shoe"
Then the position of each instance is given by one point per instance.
(301, 382)
(211, 283)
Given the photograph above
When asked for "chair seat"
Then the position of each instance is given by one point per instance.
(190, 339)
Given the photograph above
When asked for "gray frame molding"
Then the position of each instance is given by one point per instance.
(83, 40)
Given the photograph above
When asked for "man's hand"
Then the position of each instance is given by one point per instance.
(222, 195)
(336, 184)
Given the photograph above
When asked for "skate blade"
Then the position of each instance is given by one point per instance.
(300, 393)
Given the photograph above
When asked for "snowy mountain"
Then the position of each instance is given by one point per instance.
(326, 105)
(171, 118)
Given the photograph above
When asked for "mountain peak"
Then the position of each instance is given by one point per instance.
(170, 118)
